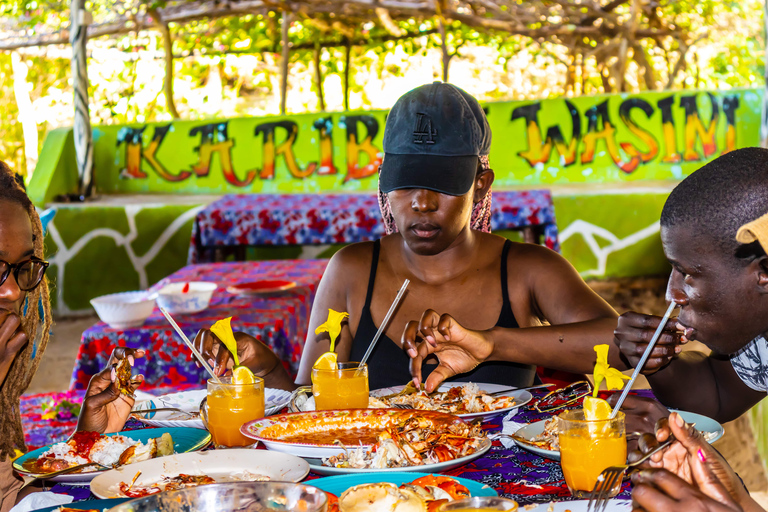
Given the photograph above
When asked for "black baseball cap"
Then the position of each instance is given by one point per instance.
(433, 139)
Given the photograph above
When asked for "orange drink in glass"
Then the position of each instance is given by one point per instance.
(589, 447)
(229, 406)
(343, 388)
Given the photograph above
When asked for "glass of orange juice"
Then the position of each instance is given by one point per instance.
(479, 504)
(343, 388)
(228, 406)
(589, 447)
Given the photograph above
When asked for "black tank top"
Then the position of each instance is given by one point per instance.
(388, 364)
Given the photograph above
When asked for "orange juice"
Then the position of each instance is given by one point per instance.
(229, 407)
(589, 447)
(343, 388)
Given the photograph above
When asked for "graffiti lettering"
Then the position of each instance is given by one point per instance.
(540, 153)
(625, 113)
(214, 139)
(135, 153)
(271, 151)
(324, 125)
(730, 104)
(355, 147)
(671, 156)
(595, 116)
(694, 127)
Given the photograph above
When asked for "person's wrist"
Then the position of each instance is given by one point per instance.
(491, 336)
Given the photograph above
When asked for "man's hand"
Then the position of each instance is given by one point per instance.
(458, 349)
(692, 459)
(12, 341)
(635, 330)
(252, 353)
(658, 490)
(641, 414)
(105, 408)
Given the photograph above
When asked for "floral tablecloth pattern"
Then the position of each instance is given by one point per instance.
(278, 319)
(514, 473)
(310, 219)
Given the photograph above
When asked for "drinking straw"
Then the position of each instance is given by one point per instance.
(384, 323)
(642, 361)
(183, 336)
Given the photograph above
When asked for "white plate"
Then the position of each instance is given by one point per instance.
(189, 401)
(316, 465)
(709, 427)
(521, 398)
(581, 506)
(218, 464)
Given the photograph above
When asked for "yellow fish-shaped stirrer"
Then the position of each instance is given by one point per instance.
(613, 378)
(223, 330)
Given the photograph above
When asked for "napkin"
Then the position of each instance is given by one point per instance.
(38, 500)
(755, 230)
(509, 426)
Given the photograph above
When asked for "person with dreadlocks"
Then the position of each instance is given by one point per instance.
(435, 196)
(25, 322)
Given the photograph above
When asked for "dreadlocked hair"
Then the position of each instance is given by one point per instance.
(481, 211)
(37, 328)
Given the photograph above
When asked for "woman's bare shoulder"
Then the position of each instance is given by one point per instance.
(352, 261)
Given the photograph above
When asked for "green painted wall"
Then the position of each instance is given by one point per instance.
(610, 161)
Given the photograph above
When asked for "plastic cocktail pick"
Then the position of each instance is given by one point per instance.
(223, 330)
(613, 378)
(333, 325)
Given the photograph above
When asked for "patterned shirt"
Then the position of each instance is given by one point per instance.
(751, 364)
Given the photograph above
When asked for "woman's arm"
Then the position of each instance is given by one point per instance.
(542, 286)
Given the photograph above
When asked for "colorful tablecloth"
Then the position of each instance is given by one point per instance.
(279, 320)
(514, 472)
(308, 219)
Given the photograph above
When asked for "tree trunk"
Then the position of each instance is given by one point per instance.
(347, 60)
(764, 118)
(626, 42)
(319, 77)
(165, 31)
(26, 113)
(443, 42)
(284, 63)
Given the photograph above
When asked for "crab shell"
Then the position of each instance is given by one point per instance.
(381, 497)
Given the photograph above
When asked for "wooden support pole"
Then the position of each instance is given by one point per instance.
(165, 32)
(79, 21)
(284, 63)
(627, 41)
(764, 117)
(319, 77)
(347, 60)
(443, 42)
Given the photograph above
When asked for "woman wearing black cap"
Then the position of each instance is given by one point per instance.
(435, 184)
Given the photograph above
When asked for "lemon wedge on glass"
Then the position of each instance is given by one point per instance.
(242, 375)
(327, 361)
(596, 409)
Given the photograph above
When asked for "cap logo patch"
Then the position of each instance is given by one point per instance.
(424, 133)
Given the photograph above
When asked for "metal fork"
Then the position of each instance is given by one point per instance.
(70, 469)
(609, 477)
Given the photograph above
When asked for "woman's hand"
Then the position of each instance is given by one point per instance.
(633, 333)
(12, 341)
(458, 349)
(692, 459)
(105, 408)
(658, 490)
(251, 352)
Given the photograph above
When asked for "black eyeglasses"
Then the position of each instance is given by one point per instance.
(28, 273)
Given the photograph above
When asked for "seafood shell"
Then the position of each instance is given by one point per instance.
(380, 497)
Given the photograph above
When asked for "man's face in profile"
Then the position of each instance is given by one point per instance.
(718, 295)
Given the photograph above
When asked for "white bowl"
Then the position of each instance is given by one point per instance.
(174, 300)
(122, 310)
